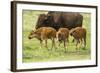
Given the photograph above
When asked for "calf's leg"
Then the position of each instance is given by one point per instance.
(53, 43)
(46, 43)
(77, 42)
(41, 43)
(65, 45)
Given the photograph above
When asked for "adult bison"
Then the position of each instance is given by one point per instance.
(61, 19)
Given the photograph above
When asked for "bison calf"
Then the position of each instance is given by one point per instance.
(62, 36)
(43, 34)
(79, 35)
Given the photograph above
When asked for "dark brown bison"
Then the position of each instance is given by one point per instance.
(79, 35)
(43, 34)
(62, 36)
(61, 20)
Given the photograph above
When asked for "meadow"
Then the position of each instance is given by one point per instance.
(31, 48)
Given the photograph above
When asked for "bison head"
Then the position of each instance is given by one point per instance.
(32, 34)
(42, 21)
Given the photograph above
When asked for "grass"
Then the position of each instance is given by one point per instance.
(31, 48)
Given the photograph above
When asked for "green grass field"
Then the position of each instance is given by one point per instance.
(31, 48)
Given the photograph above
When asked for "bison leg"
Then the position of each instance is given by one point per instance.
(41, 43)
(65, 45)
(53, 43)
(59, 43)
(46, 43)
(81, 43)
(77, 42)
(84, 44)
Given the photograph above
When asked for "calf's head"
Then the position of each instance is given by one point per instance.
(32, 34)
(59, 36)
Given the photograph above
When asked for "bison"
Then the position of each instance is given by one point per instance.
(62, 36)
(79, 35)
(61, 20)
(43, 34)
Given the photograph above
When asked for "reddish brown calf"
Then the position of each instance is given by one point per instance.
(43, 34)
(62, 36)
(79, 35)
